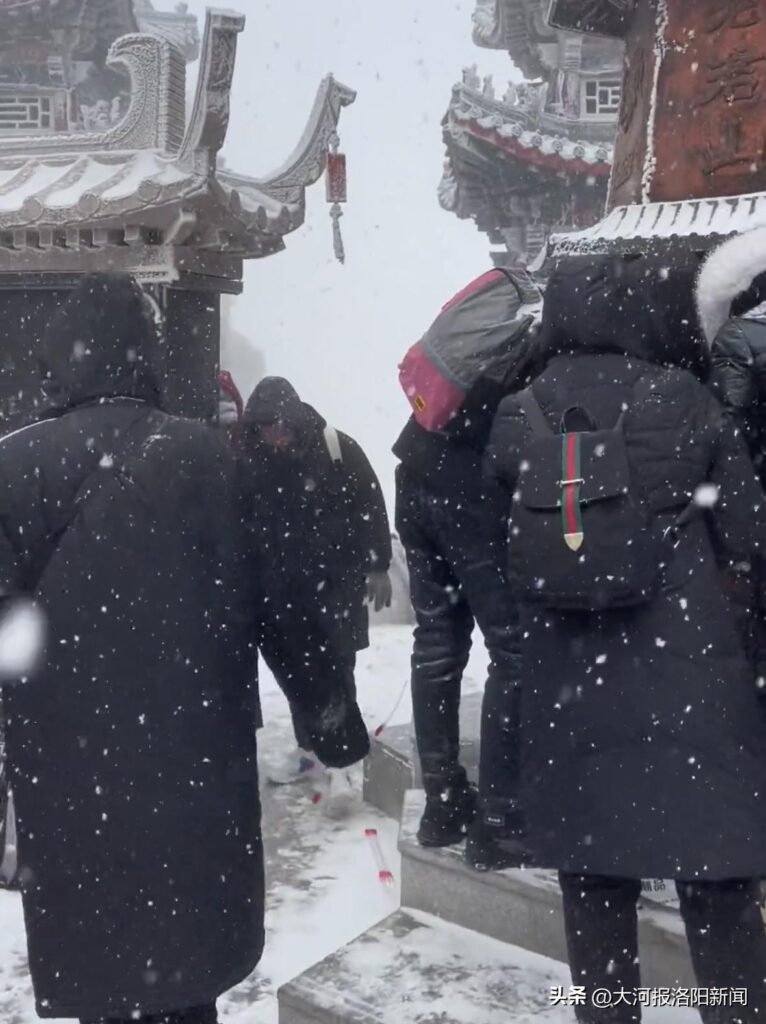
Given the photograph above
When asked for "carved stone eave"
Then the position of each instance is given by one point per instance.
(209, 120)
(307, 163)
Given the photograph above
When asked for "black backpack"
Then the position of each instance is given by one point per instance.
(582, 537)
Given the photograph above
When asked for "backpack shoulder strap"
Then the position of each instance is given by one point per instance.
(535, 416)
(514, 283)
(332, 443)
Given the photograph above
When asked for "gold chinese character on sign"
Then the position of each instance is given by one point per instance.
(733, 79)
(732, 14)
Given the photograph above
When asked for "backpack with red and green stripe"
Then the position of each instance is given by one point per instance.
(582, 538)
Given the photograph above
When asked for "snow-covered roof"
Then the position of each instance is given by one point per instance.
(108, 189)
(517, 130)
(150, 189)
(538, 148)
(643, 227)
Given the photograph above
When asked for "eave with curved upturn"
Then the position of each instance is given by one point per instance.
(148, 195)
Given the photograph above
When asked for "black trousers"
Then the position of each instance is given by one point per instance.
(456, 557)
(195, 1015)
(724, 927)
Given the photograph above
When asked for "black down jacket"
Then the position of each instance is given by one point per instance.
(643, 751)
(739, 379)
(321, 521)
(731, 290)
(132, 750)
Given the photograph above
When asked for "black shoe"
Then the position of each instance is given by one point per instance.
(447, 817)
(489, 849)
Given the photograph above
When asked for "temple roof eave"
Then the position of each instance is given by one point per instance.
(104, 192)
(152, 174)
(527, 136)
(478, 182)
(694, 223)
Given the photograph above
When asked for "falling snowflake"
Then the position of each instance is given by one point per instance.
(706, 496)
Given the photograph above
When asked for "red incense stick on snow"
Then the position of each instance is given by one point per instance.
(384, 874)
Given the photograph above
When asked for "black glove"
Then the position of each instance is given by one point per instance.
(339, 735)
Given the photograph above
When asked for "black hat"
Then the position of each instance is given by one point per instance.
(275, 400)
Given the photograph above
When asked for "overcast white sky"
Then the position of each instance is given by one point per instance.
(339, 332)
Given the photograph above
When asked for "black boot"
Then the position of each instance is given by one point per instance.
(447, 816)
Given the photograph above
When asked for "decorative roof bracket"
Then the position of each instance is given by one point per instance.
(155, 116)
(308, 161)
(209, 122)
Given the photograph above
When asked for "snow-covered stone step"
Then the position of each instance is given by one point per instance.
(389, 771)
(415, 969)
(522, 908)
(391, 768)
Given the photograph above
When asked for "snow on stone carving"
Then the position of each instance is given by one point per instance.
(102, 115)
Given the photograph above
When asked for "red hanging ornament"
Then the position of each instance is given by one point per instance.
(337, 193)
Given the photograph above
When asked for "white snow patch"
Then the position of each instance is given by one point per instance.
(23, 629)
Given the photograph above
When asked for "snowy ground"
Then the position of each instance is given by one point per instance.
(323, 889)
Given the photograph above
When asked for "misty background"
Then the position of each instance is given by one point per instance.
(339, 332)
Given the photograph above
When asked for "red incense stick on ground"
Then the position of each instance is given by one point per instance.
(384, 874)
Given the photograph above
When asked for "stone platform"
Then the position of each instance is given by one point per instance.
(392, 766)
(523, 908)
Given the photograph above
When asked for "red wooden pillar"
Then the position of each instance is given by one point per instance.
(693, 117)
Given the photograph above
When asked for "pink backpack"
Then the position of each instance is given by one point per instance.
(471, 338)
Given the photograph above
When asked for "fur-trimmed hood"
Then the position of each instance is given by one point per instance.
(730, 271)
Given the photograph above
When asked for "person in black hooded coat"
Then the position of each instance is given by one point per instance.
(131, 748)
(643, 754)
(318, 512)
